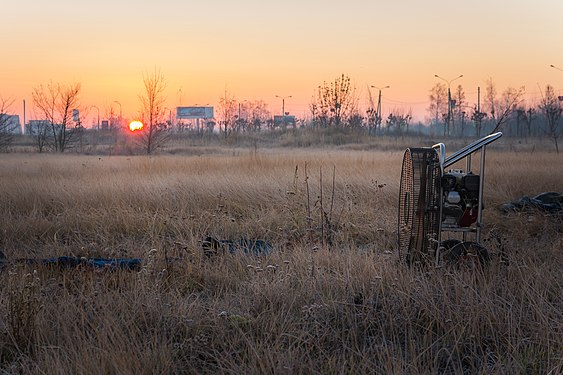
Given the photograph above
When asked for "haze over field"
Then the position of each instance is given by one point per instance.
(257, 50)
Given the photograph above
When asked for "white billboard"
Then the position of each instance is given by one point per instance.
(194, 112)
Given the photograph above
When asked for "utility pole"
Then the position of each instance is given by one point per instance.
(477, 115)
(479, 118)
(378, 111)
(462, 122)
(98, 123)
(23, 130)
(449, 118)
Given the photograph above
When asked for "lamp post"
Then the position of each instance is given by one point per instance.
(561, 70)
(449, 118)
(283, 102)
(98, 126)
(378, 113)
(120, 114)
(283, 106)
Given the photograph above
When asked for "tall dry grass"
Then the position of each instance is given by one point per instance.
(331, 298)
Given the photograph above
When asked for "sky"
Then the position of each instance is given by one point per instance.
(260, 49)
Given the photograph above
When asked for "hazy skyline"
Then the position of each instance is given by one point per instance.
(259, 49)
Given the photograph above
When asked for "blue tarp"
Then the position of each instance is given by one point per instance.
(129, 264)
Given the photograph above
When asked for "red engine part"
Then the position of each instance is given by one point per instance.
(469, 217)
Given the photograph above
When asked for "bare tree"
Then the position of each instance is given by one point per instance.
(228, 111)
(507, 106)
(337, 100)
(529, 118)
(258, 113)
(155, 132)
(373, 118)
(491, 99)
(550, 106)
(458, 108)
(56, 103)
(438, 101)
(399, 120)
(477, 116)
(6, 134)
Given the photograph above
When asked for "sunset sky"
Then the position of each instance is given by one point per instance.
(259, 49)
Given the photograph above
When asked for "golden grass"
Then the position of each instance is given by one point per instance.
(331, 298)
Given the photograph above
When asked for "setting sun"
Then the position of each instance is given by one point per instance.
(135, 125)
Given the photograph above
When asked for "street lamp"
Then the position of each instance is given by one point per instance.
(561, 70)
(169, 115)
(120, 115)
(283, 106)
(378, 113)
(283, 102)
(449, 118)
(98, 115)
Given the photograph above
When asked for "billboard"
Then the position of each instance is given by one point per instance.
(194, 112)
(285, 120)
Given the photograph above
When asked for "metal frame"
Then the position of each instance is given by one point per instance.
(445, 162)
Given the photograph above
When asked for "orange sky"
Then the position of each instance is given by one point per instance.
(260, 49)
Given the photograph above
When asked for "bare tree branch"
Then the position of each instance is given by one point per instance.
(155, 133)
(6, 131)
(55, 103)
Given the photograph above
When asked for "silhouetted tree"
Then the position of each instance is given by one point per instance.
(155, 132)
(227, 111)
(258, 113)
(551, 109)
(337, 101)
(56, 102)
(398, 121)
(477, 117)
(438, 102)
(528, 118)
(355, 120)
(372, 115)
(491, 99)
(459, 97)
(507, 106)
(313, 108)
(372, 120)
(6, 134)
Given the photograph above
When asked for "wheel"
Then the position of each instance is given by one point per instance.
(449, 257)
(466, 255)
(449, 243)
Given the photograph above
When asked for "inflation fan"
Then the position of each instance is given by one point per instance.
(439, 208)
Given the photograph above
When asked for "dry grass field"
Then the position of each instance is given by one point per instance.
(330, 298)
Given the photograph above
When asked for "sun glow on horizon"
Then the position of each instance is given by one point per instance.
(136, 126)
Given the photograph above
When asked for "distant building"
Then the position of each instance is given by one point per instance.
(10, 123)
(33, 127)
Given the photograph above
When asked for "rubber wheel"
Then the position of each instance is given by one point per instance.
(467, 255)
(448, 244)
(448, 257)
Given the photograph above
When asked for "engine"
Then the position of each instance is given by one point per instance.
(460, 198)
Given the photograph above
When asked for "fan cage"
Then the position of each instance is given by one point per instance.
(419, 205)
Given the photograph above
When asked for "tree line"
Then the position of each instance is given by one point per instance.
(336, 103)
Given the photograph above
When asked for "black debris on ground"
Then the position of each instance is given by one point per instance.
(550, 202)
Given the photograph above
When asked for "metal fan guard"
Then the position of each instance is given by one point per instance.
(419, 205)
